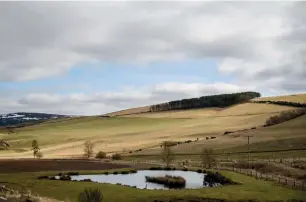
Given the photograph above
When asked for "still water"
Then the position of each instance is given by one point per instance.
(194, 180)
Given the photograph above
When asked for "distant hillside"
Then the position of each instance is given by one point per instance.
(222, 100)
(210, 101)
(23, 117)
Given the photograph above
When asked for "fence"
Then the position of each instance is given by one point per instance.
(285, 181)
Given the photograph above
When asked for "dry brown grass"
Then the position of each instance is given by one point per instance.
(135, 110)
(300, 98)
(65, 137)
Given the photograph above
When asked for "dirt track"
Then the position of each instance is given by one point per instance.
(28, 165)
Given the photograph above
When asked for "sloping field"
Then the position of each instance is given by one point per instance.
(300, 98)
(119, 134)
(245, 109)
(288, 135)
(136, 110)
(65, 137)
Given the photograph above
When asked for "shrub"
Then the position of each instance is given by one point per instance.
(199, 171)
(105, 173)
(125, 172)
(212, 178)
(116, 157)
(185, 169)
(90, 195)
(133, 171)
(65, 178)
(101, 155)
(73, 173)
(39, 155)
(42, 177)
(167, 168)
(115, 173)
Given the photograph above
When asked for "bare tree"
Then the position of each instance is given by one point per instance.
(35, 148)
(167, 155)
(207, 159)
(88, 148)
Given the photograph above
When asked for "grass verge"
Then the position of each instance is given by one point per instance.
(250, 188)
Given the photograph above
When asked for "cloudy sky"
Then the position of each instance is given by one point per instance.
(83, 58)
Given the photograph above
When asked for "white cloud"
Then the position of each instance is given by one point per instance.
(99, 103)
(40, 39)
(261, 44)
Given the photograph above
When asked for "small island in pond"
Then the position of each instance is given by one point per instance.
(174, 182)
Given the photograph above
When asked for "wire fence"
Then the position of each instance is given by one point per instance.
(282, 180)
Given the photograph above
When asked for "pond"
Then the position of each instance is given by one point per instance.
(194, 180)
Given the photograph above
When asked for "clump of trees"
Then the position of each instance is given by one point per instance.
(284, 116)
(207, 158)
(167, 154)
(88, 148)
(223, 100)
(283, 103)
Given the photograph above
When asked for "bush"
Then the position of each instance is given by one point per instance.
(115, 173)
(90, 195)
(133, 171)
(212, 178)
(101, 155)
(185, 169)
(39, 155)
(125, 172)
(167, 168)
(73, 173)
(105, 173)
(199, 171)
(42, 177)
(65, 178)
(116, 157)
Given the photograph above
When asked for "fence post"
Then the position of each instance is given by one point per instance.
(293, 183)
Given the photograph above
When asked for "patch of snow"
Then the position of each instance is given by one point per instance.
(29, 118)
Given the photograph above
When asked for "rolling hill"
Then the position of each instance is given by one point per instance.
(119, 132)
(25, 117)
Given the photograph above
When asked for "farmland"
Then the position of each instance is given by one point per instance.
(65, 137)
(137, 134)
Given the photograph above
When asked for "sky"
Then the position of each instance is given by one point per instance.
(90, 58)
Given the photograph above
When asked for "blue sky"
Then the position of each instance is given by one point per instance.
(96, 77)
(109, 56)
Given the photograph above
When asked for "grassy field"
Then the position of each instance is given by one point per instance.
(65, 137)
(250, 188)
(300, 98)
